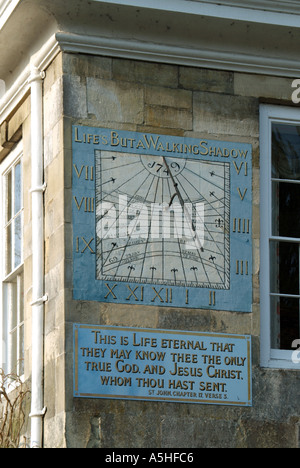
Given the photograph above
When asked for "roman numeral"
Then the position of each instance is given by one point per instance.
(82, 242)
(241, 225)
(239, 168)
(242, 267)
(87, 203)
(86, 171)
(212, 298)
(242, 195)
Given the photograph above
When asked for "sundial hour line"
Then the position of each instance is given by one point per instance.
(216, 243)
(122, 165)
(181, 253)
(180, 249)
(212, 208)
(113, 158)
(110, 180)
(123, 254)
(186, 213)
(121, 212)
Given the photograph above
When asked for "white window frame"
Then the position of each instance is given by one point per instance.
(274, 358)
(6, 280)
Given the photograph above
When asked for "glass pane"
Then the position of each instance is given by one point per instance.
(286, 209)
(18, 242)
(14, 308)
(13, 352)
(18, 188)
(21, 351)
(8, 235)
(8, 197)
(284, 268)
(21, 297)
(284, 322)
(285, 151)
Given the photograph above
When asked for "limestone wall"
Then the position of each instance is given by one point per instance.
(164, 99)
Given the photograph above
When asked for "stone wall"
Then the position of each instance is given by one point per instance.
(173, 100)
(55, 248)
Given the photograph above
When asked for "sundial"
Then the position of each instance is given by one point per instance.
(161, 220)
(150, 191)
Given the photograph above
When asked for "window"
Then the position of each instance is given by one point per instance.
(12, 291)
(280, 235)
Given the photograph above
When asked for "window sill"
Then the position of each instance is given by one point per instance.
(280, 359)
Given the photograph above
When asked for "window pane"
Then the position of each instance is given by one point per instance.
(284, 268)
(8, 197)
(13, 352)
(21, 351)
(14, 306)
(286, 151)
(21, 297)
(286, 209)
(284, 322)
(18, 188)
(8, 249)
(18, 241)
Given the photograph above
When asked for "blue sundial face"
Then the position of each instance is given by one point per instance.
(177, 216)
(161, 220)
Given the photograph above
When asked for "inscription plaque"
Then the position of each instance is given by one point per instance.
(162, 365)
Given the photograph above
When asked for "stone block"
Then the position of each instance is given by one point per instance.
(88, 66)
(145, 72)
(110, 101)
(55, 214)
(232, 322)
(269, 434)
(262, 86)
(174, 319)
(176, 98)
(53, 72)
(75, 101)
(53, 105)
(112, 433)
(183, 432)
(199, 79)
(54, 249)
(53, 143)
(128, 316)
(54, 177)
(54, 434)
(54, 280)
(224, 115)
(169, 117)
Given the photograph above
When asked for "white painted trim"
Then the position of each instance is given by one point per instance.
(279, 12)
(6, 9)
(261, 12)
(21, 86)
(149, 51)
(272, 358)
